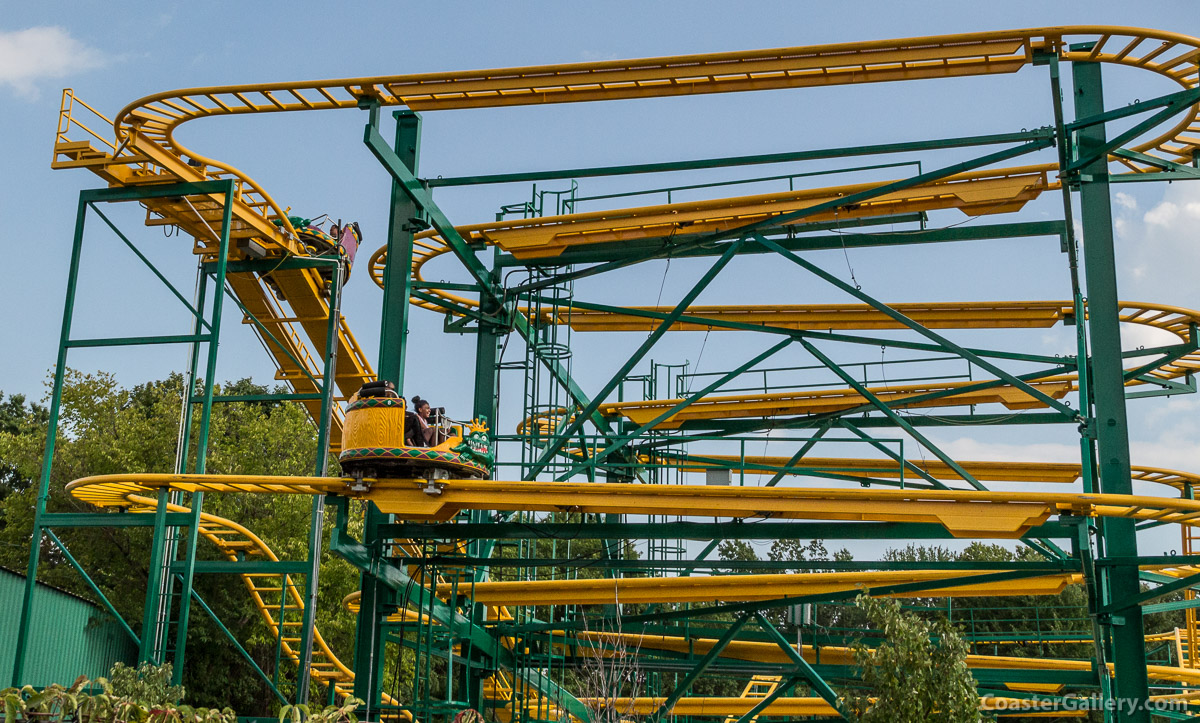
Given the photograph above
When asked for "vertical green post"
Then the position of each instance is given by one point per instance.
(185, 417)
(60, 367)
(317, 521)
(487, 352)
(1108, 391)
(149, 649)
(197, 502)
(397, 275)
(370, 641)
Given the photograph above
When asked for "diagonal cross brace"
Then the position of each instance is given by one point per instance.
(684, 404)
(919, 328)
(649, 343)
(816, 681)
(891, 413)
(702, 665)
(892, 453)
(421, 196)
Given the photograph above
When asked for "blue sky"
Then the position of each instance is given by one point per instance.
(316, 163)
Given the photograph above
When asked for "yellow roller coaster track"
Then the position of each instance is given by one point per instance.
(143, 149)
(274, 595)
(129, 491)
(829, 317)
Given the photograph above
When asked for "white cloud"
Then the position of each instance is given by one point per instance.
(965, 448)
(42, 53)
(1164, 214)
(1167, 213)
(1124, 200)
(1177, 454)
(1134, 336)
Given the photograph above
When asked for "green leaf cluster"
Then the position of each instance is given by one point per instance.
(917, 674)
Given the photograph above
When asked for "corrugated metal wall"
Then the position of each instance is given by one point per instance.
(68, 636)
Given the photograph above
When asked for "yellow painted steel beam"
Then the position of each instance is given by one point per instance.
(832, 317)
(1036, 472)
(821, 401)
(739, 588)
(769, 653)
(965, 513)
(715, 707)
(975, 193)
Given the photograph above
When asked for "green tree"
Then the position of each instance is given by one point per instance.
(917, 674)
(16, 417)
(107, 428)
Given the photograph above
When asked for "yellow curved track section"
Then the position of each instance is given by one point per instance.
(273, 595)
(951, 509)
(144, 148)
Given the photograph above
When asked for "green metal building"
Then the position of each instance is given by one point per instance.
(68, 635)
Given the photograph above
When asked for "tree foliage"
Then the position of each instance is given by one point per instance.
(917, 674)
(107, 428)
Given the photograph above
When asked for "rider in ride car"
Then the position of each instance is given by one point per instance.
(417, 432)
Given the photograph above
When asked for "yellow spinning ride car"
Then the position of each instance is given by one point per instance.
(373, 441)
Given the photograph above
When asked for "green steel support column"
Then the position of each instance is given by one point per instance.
(1087, 441)
(397, 281)
(197, 501)
(184, 440)
(370, 641)
(1108, 388)
(147, 652)
(487, 352)
(39, 510)
(317, 518)
(186, 413)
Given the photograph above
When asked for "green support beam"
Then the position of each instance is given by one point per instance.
(816, 681)
(1109, 420)
(847, 152)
